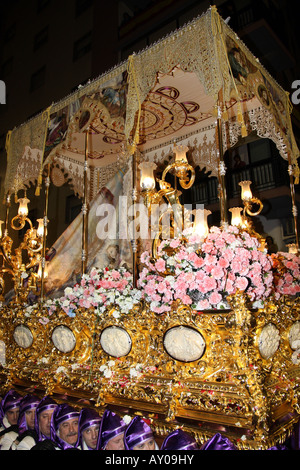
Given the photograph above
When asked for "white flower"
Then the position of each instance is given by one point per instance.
(111, 363)
(171, 280)
(107, 373)
(133, 372)
(127, 419)
(171, 262)
(68, 290)
(136, 371)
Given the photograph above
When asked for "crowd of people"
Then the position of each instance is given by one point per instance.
(30, 423)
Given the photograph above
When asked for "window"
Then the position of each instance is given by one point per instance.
(38, 79)
(82, 46)
(40, 38)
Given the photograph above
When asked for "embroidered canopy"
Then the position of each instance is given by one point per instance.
(171, 91)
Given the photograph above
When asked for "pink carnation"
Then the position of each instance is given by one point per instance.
(241, 283)
(160, 265)
(215, 298)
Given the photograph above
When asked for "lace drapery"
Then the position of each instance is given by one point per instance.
(191, 48)
(21, 166)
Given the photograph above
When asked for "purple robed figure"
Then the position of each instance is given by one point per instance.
(62, 413)
(87, 418)
(137, 432)
(218, 442)
(294, 440)
(29, 402)
(46, 403)
(179, 440)
(111, 426)
(10, 401)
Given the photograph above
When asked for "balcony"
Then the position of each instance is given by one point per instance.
(267, 174)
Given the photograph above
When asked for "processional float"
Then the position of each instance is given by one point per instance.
(199, 329)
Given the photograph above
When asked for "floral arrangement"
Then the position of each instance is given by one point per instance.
(286, 268)
(228, 261)
(100, 289)
(135, 373)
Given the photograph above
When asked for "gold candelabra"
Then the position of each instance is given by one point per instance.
(181, 168)
(22, 263)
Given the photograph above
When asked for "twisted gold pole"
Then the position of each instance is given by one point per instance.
(47, 185)
(134, 238)
(85, 205)
(221, 168)
(294, 207)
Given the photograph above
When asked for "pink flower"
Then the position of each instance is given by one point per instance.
(160, 265)
(115, 275)
(199, 262)
(175, 243)
(215, 298)
(241, 283)
(181, 255)
(161, 287)
(217, 272)
(145, 257)
(180, 286)
(209, 283)
(223, 263)
(203, 304)
(236, 265)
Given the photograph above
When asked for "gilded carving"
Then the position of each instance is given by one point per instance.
(231, 385)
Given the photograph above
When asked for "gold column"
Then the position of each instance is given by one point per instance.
(221, 168)
(43, 264)
(85, 205)
(294, 207)
(134, 240)
(7, 202)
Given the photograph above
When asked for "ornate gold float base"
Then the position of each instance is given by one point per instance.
(232, 371)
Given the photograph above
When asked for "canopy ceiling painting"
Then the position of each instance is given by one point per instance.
(202, 89)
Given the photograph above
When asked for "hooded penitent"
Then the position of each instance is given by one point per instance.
(62, 413)
(179, 440)
(29, 402)
(10, 401)
(87, 418)
(218, 442)
(46, 403)
(111, 426)
(137, 432)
